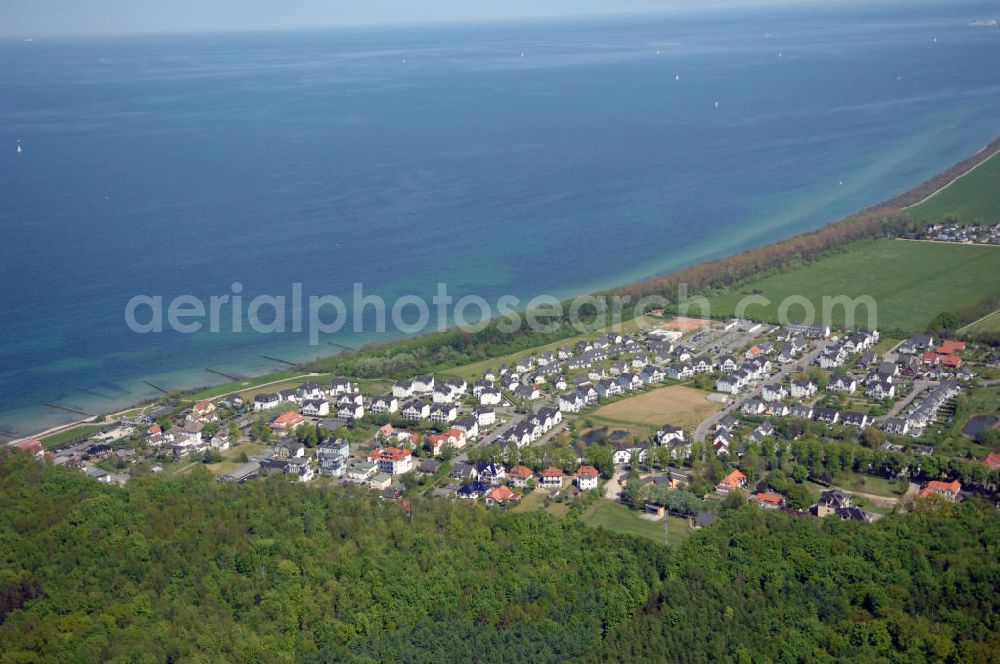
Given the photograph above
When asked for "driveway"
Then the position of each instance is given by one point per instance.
(613, 487)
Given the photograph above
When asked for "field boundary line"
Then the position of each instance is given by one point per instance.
(951, 182)
(976, 322)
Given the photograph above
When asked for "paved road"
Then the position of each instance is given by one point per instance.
(784, 371)
(918, 388)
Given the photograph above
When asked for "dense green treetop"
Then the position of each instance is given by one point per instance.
(170, 570)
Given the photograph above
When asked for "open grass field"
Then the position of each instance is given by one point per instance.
(536, 501)
(680, 406)
(989, 323)
(911, 283)
(71, 436)
(231, 457)
(877, 486)
(619, 518)
(973, 197)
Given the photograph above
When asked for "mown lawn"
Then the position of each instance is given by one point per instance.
(619, 518)
(877, 486)
(680, 406)
(536, 501)
(911, 282)
(974, 197)
(73, 435)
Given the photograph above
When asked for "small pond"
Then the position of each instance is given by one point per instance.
(979, 423)
(596, 436)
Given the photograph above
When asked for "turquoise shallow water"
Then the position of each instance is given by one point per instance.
(403, 157)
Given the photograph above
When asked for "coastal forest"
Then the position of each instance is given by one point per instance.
(187, 569)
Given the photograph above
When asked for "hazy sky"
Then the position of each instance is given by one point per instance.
(38, 18)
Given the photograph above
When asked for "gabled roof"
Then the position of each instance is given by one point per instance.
(520, 473)
(734, 478)
(768, 498)
(288, 418)
(937, 486)
(501, 494)
(389, 454)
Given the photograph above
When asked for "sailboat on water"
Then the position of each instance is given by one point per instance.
(19, 150)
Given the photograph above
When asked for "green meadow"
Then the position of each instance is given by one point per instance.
(619, 518)
(975, 197)
(911, 282)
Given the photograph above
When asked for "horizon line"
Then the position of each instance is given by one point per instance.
(454, 22)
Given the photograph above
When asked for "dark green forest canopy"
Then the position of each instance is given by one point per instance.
(191, 570)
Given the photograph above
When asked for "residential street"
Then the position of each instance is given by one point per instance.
(706, 426)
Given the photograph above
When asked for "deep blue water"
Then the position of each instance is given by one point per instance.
(403, 157)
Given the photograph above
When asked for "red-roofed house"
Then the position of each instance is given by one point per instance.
(992, 460)
(392, 460)
(733, 480)
(287, 421)
(501, 495)
(586, 478)
(31, 446)
(453, 437)
(769, 501)
(203, 408)
(552, 478)
(947, 490)
(950, 347)
(519, 476)
(951, 361)
(458, 435)
(929, 358)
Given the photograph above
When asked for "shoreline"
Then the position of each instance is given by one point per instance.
(910, 198)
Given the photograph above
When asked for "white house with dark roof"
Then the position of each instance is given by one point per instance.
(896, 426)
(485, 416)
(729, 384)
(829, 416)
(443, 412)
(680, 371)
(415, 410)
(310, 392)
(527, 392)
(669, 434)
(423, 384)
(350, 411)
(843, 383)
(443, 394)
(572, 402)
(880, 390)
(315, 407)
(266, 401)
(774, 392)
(855, 419)
(490, 397)
(803, 389)
(607, 388)
(340, 386)
(385, 404)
